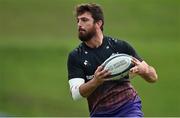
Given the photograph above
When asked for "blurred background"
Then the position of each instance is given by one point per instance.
(37, 35)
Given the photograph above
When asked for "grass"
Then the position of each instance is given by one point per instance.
(35, 78)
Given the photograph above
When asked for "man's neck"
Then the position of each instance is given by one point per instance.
(96, 41)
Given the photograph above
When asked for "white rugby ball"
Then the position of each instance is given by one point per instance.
(118, 65)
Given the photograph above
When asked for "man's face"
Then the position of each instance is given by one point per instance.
(86, 26)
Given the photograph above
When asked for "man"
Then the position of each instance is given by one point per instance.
(86, 76)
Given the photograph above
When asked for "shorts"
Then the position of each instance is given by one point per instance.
(131, 108)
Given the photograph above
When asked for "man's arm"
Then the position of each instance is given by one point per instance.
(80, 89)
(144, 70)
(99, 77)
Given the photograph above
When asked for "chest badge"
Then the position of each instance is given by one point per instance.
(85, 62)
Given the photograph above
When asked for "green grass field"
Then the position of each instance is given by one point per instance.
(36, 37)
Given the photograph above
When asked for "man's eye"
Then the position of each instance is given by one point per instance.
(77, 20)
(84, 19)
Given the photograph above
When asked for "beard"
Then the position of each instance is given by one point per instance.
(85, 35)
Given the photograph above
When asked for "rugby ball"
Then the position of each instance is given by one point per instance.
(118, 65)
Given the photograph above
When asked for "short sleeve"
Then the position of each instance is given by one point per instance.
(75, 69)
(125, 47)
(131, 51)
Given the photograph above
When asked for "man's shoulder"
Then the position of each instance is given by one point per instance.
(76, 51)
(115, 41)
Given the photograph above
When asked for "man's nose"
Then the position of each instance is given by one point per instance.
(79, 24)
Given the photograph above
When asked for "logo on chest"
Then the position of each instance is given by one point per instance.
(86, 62)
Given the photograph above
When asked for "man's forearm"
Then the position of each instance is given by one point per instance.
(99, 77)
(150, 75)
(87, 88)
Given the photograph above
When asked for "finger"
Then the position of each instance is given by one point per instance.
(134, 69)
(105, 75)
(99, 68)
(101, 73)
(135, 61)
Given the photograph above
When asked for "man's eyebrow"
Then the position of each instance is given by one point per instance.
(82, 18)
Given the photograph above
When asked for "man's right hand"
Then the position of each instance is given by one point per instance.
(100, 75)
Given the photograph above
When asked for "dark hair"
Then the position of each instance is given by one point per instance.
(94, 9)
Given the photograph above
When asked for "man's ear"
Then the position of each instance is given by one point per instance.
(99, 23)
